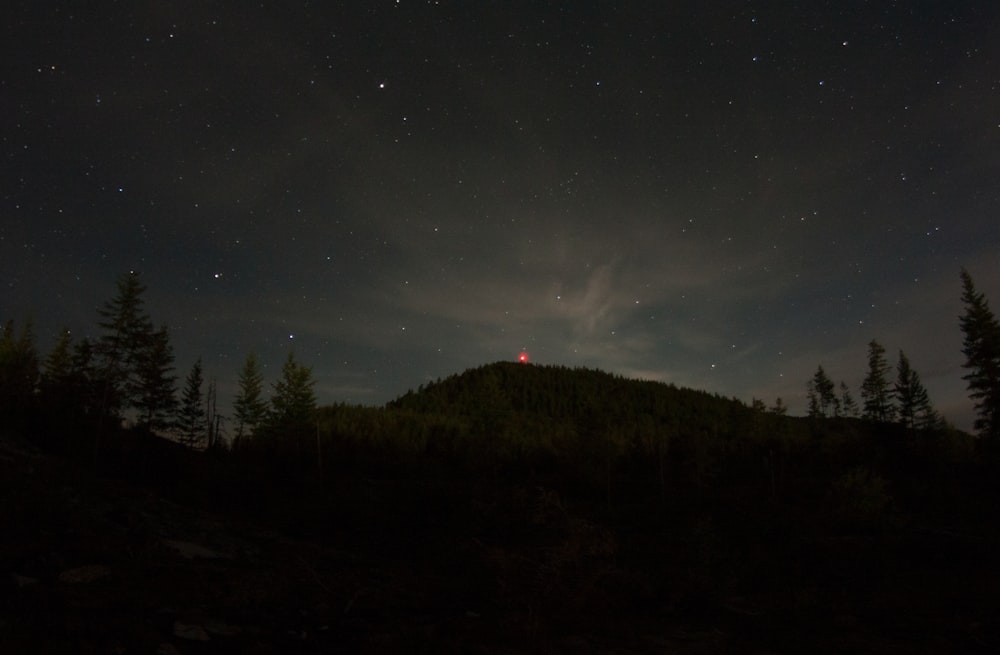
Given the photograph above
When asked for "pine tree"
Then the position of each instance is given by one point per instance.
(249, 407)
(127, 332)
(57, 373)
(848, 406)
(83, 378)
(156, 386)
(779, 407)
(190, 422)
(293, 401)
(59, 362)
(821, 395)
(18, 369)
(875, 391)
(981, 347)
(913, 404)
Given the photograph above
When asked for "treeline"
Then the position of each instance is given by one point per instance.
(903, 399)
(601, 427)
(124, 380)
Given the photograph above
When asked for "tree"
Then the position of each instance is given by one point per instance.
(59, 362)
(875, 392)
(127, 332)
(820, 393)
(18, 369)
(848, 406)
(156, 386)
(981, 347)
(779, 407)
(84, 378)
(913, 404)
(59, 386)
(293, 401)
(190, 423)
(213, 419)
(249, 407)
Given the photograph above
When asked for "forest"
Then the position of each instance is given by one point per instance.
(549, 501)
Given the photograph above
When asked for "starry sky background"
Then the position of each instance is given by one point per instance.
(722, 195)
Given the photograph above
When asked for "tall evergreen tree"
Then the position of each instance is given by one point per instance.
(84, 378)
(249, 407)
(18, 369)
(822, 400)
(156, 385)
(59, 361)
(190, 423)
(981, 347)
(913, 404)
(779, 407)
(58, 386)
(848, 406)
(127, 331)
(293, 401)
(876, 393)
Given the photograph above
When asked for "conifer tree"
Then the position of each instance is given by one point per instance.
(156, 386)
(779, 407)
(191, 414)
(127, 332)
(83, 379)
(293, 401)
(848, 406)
(18, 368)
(981, 347)
(913, 404)
(875, 391)
(249, 407)
(59, 361)
(821, 395)
(60, 386)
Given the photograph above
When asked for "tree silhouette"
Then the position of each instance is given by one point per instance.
(127, 332)
(875, 390)
(56, 388)
(822, 399)
(293, 401)
(913, 404)
(191, 414)
(848, 406)
(156, 400)
(18, 369)
(249, 407)
(981, 347)
(779, 407)
(58, 366)
(84, 378)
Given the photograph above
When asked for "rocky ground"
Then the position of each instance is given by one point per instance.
(93, 565)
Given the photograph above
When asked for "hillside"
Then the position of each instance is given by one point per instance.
(561, 394)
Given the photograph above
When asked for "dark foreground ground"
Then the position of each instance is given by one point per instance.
(96, 565)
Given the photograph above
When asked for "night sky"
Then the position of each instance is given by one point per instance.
(722, 195)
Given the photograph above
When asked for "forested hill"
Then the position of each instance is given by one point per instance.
(504, 392)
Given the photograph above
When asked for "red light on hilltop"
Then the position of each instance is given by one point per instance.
(523, 358)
